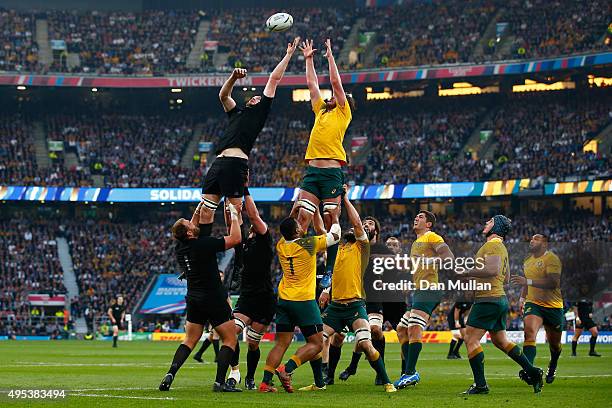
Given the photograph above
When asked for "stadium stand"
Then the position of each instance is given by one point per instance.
(18, 48)
(413, 33)
(145, 43)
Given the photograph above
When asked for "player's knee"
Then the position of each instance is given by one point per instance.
(252, 345)
(337, 340)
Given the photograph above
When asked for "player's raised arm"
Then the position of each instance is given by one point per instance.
(235, 237)
(225, 94)
(353, 215)
(334, 75)
(311, 75)
(277, 73)
(195, 218)
(258, 224)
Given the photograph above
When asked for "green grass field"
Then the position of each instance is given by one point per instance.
(94, 374)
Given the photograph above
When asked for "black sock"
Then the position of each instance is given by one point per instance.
(215, 344)
(317, 372)
(592, 342)
(574, 345)
(554, 358)
(458, 346)
(355, 361)
(252, 361)
(236, 356)
(223, 362)
(181, 354)
(451, 349)
(205, 344)
(115, 341)
(334, 358)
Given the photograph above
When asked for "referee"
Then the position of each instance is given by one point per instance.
(206, 298)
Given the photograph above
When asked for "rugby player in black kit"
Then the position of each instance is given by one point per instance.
(206, 298)
(257, 302)
(117, 314)
(228, 174)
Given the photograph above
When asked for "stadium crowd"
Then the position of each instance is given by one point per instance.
(412, 33)
(121, 257)
(144, 43)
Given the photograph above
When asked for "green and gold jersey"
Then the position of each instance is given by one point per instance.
(493, 247)
(541, 268)
(425, 247)
(298, 259)
(351, 263)
(328, 131)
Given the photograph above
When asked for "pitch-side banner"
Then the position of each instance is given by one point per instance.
(288, 194)
(355, 77)
(167, 296)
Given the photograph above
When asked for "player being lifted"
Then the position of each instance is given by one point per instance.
(347, 307)
(257, 302)
(296, 302)
(541, 302)
(490, 310)
(325, 154)
(228, 174)
(206, 299)
(116, 313)
(429, 248)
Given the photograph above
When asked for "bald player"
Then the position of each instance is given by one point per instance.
(541, 302)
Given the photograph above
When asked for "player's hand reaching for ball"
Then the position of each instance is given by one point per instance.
(307, 49)
(239, 73)
(291, 47)
(328, 49)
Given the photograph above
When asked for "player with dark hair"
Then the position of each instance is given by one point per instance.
(347, 306)
(490, 310)
(256, 305)
(429, 249)
(541, 302)
(378, 312)
(228, 174)
(584, 310)
(116, 313)
(325, 154)
(206, 299)
(456, 323)
(296, 302)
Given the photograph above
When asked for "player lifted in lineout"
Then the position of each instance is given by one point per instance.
(228, 174)
(325, 154)
(347, 306)
(490, 310)
(541, 302)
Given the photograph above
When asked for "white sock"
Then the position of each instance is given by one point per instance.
(235, 374)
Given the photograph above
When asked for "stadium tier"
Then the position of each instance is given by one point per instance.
(396, 142)
(409, 34)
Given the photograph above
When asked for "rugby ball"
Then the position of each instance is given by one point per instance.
(279, 22)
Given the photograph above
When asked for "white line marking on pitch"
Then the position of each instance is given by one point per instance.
(121, 396)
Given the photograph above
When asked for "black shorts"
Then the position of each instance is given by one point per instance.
(227, 177)
(212, 308)
(586, 324)
(451, 322)
(392, 311)
(259, 308)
